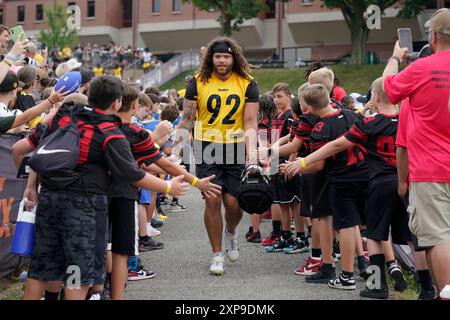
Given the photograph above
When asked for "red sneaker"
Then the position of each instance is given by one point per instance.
(267, 215)
(310, 267)
(270, 240)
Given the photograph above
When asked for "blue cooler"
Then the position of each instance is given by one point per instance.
(24, 235)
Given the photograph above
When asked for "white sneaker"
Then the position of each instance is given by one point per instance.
(216, 267)
(152, 232)
(95, 296)
(231, 245)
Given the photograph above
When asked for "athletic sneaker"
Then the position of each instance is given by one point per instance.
(321, 276)
(298, 246)
(382, 293)
(427, 294)
(311, 266)
(231, 245)
(267, 215)
(95, 296)
(152, 232)
(161, 217)
(271, 240)
(176, 207)
(280, 245)
(249, 232)
(140, 274)
(343, 283)
(396, 274)
(150, 245)
(336, 257)
(156, 223)
(216, 267)
(254, 237)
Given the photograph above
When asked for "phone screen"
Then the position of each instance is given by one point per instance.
(16, 31)
(405, 39)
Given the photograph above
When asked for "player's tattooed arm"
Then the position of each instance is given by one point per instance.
(189, 111)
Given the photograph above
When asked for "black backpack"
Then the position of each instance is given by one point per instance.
(57, 154)
(256, 193)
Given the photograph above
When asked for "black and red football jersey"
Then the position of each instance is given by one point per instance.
(376, 137)
(281, 127)
(103, 149)
(345, 166)
(293, 130)
(264, 127)
(143, 150)
(306, 124)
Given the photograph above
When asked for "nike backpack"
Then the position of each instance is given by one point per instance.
(58, 153)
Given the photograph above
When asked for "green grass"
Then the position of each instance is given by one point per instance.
(354, 78)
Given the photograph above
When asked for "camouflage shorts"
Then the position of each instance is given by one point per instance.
(70, 233)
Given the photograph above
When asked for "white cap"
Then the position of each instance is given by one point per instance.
(358, 105)
(73, 64)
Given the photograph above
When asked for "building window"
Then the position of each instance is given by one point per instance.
(156, 6)
(91, 9)
(307, 1)
(127, 14)
(39, 12)
(21, 14)
(176, 5)
(71, 3)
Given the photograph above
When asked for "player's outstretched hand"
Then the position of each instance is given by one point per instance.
(209, 189)
(179, 188)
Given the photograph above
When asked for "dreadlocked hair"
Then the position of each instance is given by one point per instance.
(316, 65)
(267, 105)
(240, 64)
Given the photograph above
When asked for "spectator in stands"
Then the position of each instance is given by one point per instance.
(423, 82)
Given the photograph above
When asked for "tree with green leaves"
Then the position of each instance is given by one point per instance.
(233, 13)
(58, 34)
(353, 11)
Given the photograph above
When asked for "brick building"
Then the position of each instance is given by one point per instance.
(299, 28)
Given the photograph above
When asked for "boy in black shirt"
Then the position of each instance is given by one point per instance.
(123, 205)
(286, 191)
(385, 209)
(71, 213)
(347, 175)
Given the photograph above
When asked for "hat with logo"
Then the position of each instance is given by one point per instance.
(9, 83)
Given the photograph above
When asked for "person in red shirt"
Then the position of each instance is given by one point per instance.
(338, 91)
(427, 84)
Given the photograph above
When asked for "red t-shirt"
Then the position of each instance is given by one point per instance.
(339, 93)
(427, 84)
(404, 125)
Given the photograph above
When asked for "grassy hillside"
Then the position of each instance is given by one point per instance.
(353, 78)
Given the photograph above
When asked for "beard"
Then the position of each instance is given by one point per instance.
(223, 70)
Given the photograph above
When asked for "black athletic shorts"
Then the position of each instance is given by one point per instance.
(123, 226)
(320, 188)
(385, 211)
(285, 192)
(70, 232)
(226, 162)
(306, 182)
(347, 201)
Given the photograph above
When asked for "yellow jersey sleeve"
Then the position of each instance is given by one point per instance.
(220, 107)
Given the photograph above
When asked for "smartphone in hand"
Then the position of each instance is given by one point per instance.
(405, 39)
(17, 32)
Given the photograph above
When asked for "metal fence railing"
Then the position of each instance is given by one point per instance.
(169, 70)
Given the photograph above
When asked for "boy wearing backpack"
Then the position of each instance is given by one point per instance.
(70, 227)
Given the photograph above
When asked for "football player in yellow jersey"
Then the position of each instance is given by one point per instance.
(223, 101)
